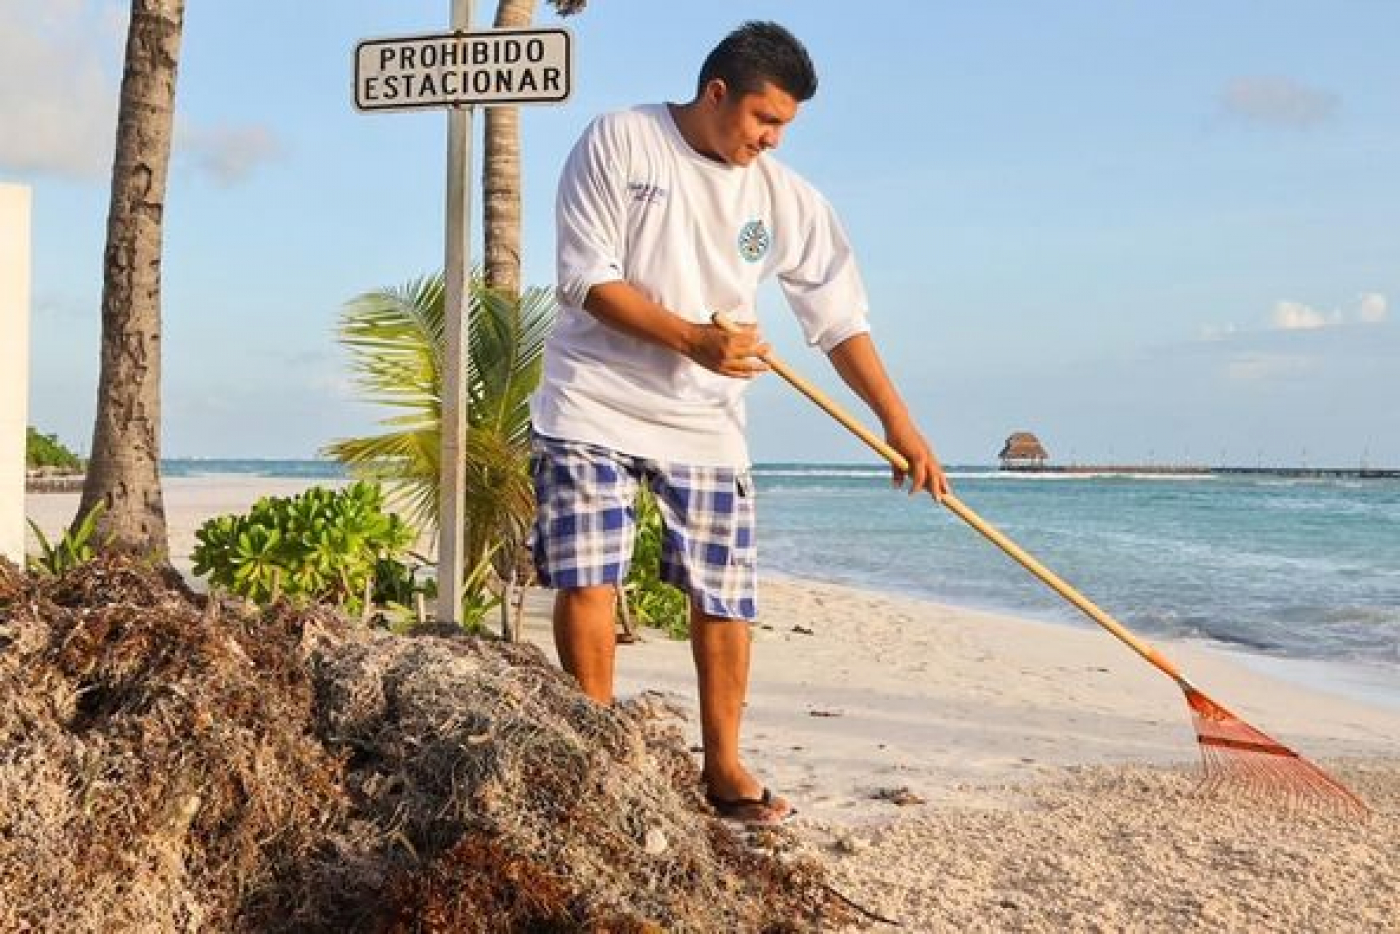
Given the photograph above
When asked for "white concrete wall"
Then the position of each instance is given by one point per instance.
(14, 364)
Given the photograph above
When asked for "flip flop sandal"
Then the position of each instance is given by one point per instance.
(760, 811)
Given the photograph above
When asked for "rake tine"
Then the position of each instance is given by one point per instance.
(1240, 756)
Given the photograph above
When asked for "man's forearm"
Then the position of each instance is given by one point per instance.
(860, 367)
(622, 306)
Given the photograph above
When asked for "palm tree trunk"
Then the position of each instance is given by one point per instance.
(501, 174)
(124, 466)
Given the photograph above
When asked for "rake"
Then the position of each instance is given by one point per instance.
(1233, 753)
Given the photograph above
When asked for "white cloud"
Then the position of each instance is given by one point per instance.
(1217, 332)
(227, 154)
(1260, 367)
(58, 89)
(1373, 308)
(60, 77)
(64, 305)
(1278, 101)
(1295, 316)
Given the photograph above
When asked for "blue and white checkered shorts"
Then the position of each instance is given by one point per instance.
(585, 524)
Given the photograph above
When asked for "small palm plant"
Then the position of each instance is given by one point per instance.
(397, 342)
(73, 550)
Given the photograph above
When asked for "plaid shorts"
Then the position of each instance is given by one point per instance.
(586, 524)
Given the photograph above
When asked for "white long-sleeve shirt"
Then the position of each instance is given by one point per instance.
(637, 203)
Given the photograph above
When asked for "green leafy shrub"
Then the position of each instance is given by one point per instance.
(321, 546)
(653, 602)
(48, 451)
(75, 548)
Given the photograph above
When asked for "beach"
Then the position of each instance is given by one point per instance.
(956, 767)
(1050, 774)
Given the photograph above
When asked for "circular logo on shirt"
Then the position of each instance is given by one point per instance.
(754, 240)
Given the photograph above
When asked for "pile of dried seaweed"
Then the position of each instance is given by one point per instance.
(169, 763)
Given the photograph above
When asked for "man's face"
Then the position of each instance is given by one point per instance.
(744, 125)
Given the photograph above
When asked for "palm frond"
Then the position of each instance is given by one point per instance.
(396, 339)
(508, 347)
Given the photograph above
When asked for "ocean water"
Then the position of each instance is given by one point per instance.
(1287, 569)
(1278, 567)
(252, 467)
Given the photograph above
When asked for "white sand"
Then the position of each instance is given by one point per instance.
(991, 721)
(888, 692)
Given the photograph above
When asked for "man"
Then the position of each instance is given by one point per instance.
(666, 214)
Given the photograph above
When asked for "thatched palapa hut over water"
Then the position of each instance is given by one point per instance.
(1022, 450)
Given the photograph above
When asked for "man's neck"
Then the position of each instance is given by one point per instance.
(689, 122)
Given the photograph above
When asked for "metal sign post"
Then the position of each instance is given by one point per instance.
(459, 70)
(452, 466)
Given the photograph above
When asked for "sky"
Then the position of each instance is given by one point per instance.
(1148, 232)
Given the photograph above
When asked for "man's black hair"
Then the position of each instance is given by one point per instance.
(757, 53)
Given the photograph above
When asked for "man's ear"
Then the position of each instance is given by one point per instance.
(716, 92)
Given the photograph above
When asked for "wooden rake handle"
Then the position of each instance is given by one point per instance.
(965, 513)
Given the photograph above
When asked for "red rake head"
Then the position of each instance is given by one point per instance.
(1235, 754)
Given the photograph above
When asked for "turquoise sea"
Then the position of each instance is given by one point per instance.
(252, 467)
(1289, 570)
